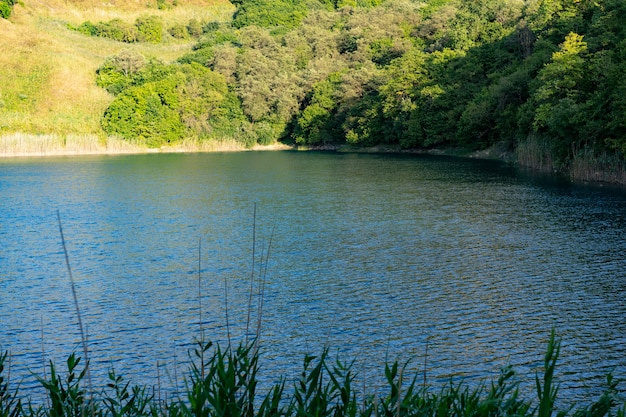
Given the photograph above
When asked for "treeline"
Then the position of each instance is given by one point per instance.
(543, 77)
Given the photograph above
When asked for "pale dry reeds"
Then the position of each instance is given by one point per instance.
(19, 144)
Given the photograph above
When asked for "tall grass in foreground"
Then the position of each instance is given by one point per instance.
(224, 382)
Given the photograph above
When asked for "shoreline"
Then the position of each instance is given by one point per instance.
(20, 145)
(42, 146)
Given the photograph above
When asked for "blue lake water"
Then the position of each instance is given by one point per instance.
(461, 266)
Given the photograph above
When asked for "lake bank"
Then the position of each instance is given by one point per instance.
(27, 145)
(584, 168)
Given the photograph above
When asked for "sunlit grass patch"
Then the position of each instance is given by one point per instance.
(47, 81)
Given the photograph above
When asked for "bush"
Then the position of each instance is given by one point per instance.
(118, 72)
(117, 30)
(150, 29)
(269, 13)
(178, 31)
(194, 28)
(145, 29)
(160, 104)
(147, 113)
(87, 28)
(163, 5)
(202, 56)
(6, 8)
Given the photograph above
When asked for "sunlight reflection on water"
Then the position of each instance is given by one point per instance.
(379, 257)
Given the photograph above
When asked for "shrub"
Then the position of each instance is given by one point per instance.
(161, 104)
(194, 28)
(118, 72)
(269, 13)
(6, 8)
(150, 29)
(163, 5)
(147, 113)
(210, 27)
(115, 29)
(87, 28)
(202, 56)
(178, 31)
(118, 30)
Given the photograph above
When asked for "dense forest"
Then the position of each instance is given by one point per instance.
(543, 78)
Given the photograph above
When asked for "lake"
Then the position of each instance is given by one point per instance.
(459, 266)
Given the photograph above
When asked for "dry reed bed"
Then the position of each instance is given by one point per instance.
(20, 144)
(46, 145)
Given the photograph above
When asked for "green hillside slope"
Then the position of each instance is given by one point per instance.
(539, 78)
(48, 72)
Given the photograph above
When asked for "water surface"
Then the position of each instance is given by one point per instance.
(461, 265)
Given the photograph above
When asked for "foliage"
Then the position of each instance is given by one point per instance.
(6, 8)
(67, 398)
(117, 72)
(178, 31)
(115, 29)
(145, 29)
(150, 29)
(225, 382)
(203, 52)
(160, 104)
(10, 402)
(450, 73)
(269, 13)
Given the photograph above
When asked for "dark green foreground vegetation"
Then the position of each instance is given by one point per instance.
(224, 383)
(540, 77)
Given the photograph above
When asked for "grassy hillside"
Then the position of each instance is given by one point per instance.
(47, 71)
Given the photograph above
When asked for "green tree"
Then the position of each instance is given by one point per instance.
(558, 99)
(269, 13)
(315, 124)
(118, 71)
(147, 113)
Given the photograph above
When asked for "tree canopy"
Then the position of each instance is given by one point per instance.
(439, 73)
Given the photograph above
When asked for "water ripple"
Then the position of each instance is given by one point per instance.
(460, 266)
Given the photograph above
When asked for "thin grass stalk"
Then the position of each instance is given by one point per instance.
(251, 272)
(425, 363)
(200, 300)
(80, 321)
(158, 383)
(43, 358)
(399, 403)
(262, 294)
(226, 309)
(376, 413)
